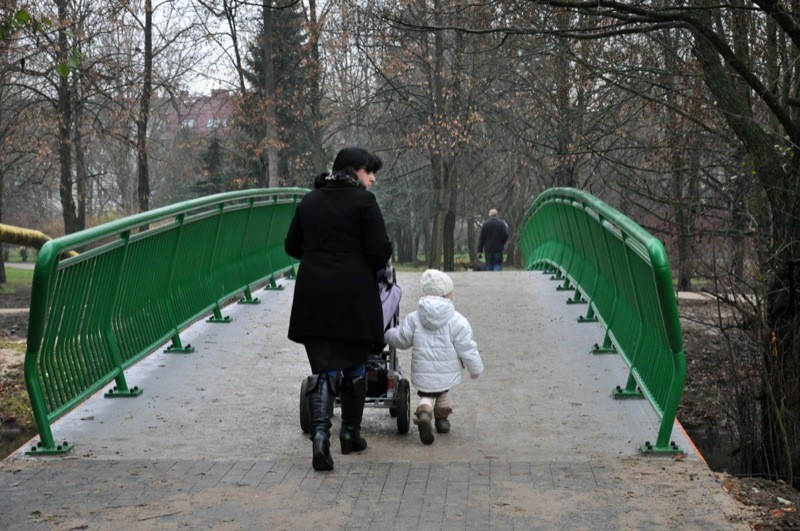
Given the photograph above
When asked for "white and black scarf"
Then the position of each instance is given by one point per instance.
(341, 176)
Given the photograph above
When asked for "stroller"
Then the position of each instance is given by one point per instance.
(386, 388)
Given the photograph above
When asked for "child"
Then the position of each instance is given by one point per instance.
(442, 345)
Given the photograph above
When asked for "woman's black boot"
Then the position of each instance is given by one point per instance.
(351, 395)
(320, 394)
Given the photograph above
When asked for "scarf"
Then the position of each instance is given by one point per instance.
(343, 176)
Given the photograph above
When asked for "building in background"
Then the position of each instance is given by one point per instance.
(204, 115)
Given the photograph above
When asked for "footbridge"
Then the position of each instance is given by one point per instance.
(167, 394)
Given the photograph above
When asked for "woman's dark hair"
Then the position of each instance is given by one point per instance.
(356, 158)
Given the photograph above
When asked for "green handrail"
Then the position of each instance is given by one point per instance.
(623, 273)
(142, 280)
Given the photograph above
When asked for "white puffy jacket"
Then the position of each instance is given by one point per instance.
(441, 338)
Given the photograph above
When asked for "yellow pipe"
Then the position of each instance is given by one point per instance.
(26, 237)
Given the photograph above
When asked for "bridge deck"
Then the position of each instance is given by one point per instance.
(537, 442)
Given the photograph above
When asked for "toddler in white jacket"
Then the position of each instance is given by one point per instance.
(441, 346)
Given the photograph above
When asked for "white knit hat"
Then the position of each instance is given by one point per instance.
(434, 282)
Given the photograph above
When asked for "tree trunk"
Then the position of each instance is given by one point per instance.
(449, 228)
(271, 140)
(781, 359)
(435, 243)
(143, 171)
(675, 132)
(81, 175)
(64, 92)
(738, 220)
(315, 90)
(440, 166)
(405, 244)
(472, 243)
(564, 174)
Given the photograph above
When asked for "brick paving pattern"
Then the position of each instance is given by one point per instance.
(86, 494)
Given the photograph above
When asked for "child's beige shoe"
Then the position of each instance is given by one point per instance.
(440, 415)
(422, 418)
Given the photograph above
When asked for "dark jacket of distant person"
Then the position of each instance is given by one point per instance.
(493, 237)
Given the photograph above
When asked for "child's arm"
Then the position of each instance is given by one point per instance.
(401, 337)
(466, 347)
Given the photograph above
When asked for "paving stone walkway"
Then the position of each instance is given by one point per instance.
(148, 494)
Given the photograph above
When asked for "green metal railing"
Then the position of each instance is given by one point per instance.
(143, 279)
(622, 272)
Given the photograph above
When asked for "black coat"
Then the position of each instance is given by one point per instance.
(339, 236)
(494, 235)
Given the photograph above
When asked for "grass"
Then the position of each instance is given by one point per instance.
(12, 344)
(16, 278)
(15, 408)
(14, 256)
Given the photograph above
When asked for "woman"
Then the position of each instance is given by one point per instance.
(338, 234)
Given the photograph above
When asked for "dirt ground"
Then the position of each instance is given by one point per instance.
(13, 331)
(772, 504)
(14, 324)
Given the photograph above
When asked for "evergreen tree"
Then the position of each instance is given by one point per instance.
(290, 68)
(215, 177)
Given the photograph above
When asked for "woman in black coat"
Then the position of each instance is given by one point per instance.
(338, 234)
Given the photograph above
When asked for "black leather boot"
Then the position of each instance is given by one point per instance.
(321, 392)
(351, 395)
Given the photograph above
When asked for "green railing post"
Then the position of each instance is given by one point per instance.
(46, 444)
(248, 296)
(120, 390)
(631, 390)
(45, 266)
(590, 316)
(273, 284)
(177, 346)
(217, 317)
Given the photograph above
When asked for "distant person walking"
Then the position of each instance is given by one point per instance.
(493, 238)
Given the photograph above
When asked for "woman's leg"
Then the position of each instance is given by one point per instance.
(321, 390)
(352, 394)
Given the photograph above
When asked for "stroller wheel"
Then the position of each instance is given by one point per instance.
(402, 401)
(305, 410)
